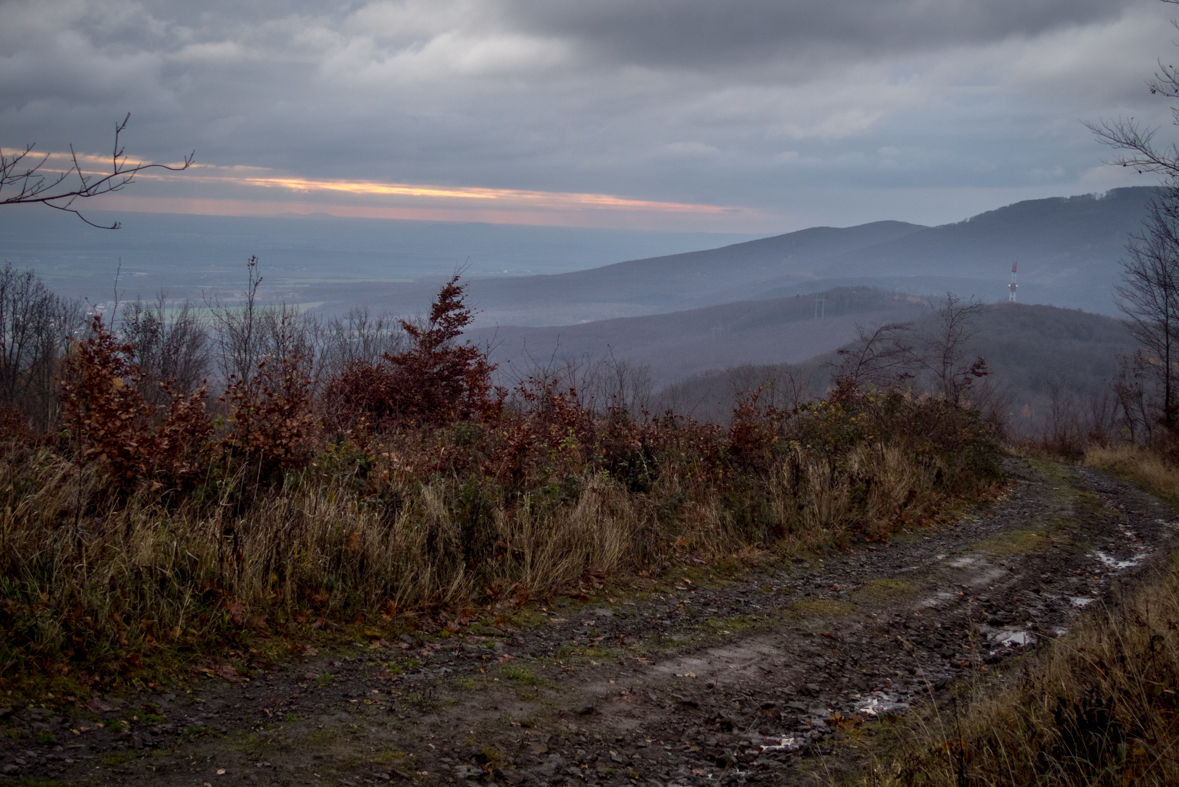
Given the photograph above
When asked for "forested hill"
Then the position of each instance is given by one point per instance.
(1040, 357)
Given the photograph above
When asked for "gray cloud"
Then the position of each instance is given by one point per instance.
(689, 34)
(754, 103)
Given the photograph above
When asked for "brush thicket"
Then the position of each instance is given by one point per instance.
(412, 485)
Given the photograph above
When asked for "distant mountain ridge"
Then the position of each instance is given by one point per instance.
(1068, 250)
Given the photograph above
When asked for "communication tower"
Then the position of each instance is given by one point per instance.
(1011, 297)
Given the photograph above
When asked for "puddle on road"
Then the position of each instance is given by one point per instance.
(880, 702)
(1013, 638)
(1110, 561)
(786, 743)
(1139, 553)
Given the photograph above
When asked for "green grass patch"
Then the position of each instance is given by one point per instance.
(518, 673)
(1015, 542)
(885, 587)
(736, 623)
(318, 739)
(588, 652)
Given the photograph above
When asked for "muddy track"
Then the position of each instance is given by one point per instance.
(753, 681)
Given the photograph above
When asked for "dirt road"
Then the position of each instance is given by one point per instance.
(751, 681)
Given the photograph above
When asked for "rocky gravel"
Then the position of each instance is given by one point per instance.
(756, 680)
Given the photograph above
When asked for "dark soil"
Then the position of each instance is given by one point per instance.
(757, 680)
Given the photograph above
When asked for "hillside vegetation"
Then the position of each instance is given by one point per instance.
(406, 491)
(1048, 366)
(677, 345)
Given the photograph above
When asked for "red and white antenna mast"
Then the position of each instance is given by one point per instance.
(1011, 297)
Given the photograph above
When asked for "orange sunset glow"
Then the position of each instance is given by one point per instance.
(391, 200)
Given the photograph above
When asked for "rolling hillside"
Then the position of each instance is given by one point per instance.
(1034, 353)
(688, 342)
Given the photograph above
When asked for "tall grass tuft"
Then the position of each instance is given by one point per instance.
(1150, 468)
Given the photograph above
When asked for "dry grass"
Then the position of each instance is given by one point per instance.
(1097, 707)
(1147, 467)
(97, 582)
(1100, 706)
(409, 492)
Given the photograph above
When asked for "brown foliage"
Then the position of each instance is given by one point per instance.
(103, 406)
(444, 490)
(113, 425)
(436, 381)
(272, 428)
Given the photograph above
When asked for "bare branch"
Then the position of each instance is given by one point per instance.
(1128, 135)
(882, 356)
(61, 190)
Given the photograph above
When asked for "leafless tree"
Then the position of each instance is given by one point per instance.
(288, 334)
(780, 385)
(358, 338)
(244, 335)
(881, 356)
(602, 383)
(1102, 416)
(237, 330)
(171, 346)
(942, 349)
(1149, 294)
(1136, 141)
(618, 384)
(1064, 425)
(27, 180)
(35, 329)
(1135, 410)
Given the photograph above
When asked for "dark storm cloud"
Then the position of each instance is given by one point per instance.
(697, 34)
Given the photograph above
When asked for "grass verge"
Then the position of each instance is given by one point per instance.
(102, 583)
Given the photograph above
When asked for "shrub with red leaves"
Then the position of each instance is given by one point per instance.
(103, 408)
(272, 427)
(113, 425)
(436, 382)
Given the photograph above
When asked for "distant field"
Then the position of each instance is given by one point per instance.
(188, 255)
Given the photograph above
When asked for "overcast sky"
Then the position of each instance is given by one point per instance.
(737, 116)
